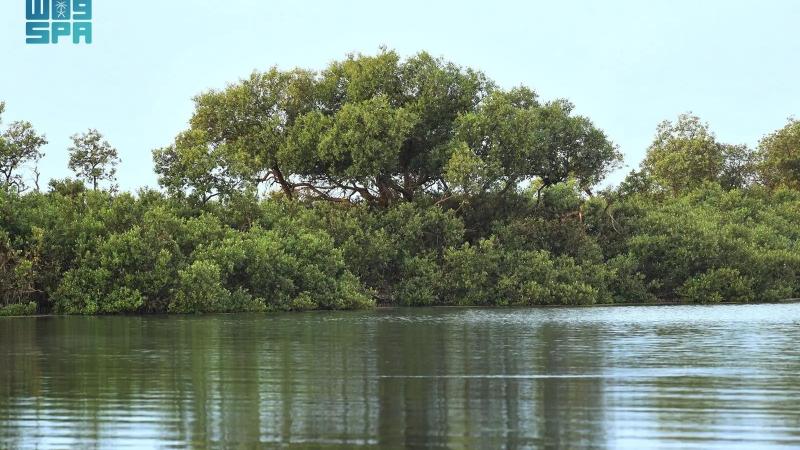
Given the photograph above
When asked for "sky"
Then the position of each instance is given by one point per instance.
(627, 65)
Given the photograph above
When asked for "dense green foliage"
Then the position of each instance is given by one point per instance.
(404, 182)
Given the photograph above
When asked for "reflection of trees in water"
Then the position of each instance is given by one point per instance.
(727, 384)
(362, 378)
(484, 408)
(571, 410)
(190, 380)
(294, 379)
(294, 383)
(412, 411)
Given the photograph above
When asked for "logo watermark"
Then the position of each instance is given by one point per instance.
(54, 21)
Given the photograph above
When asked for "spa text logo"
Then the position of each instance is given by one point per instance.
(54, 21)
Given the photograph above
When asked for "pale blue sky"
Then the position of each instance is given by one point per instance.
(626, 64)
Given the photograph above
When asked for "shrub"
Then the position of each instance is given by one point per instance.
(19, 309)
(199, 289)
(488, 274)
(717, 285)
(421, 282)
(287, 269)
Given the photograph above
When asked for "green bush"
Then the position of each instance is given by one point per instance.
(488, 274)
(19, 309)
(420, 284)
(679, 246)
(82, 291)
(287, 269)
(626, 283)
(717, 285)
(199, 289)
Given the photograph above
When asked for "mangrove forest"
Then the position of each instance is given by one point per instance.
(383, 180)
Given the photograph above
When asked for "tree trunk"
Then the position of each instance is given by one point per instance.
(287, 187)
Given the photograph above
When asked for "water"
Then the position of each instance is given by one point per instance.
(632, 377)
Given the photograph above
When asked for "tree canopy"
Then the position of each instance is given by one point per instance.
(780, 156)
(379, 129)
(92, 158)
(685, 154)
(19, 145)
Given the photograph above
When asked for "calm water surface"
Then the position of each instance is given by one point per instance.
(638, 377)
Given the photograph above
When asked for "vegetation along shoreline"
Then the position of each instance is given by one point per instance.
(403, 182)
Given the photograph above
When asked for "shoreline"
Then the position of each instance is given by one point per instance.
(390, 307)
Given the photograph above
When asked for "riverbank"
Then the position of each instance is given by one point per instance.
(26, 312)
